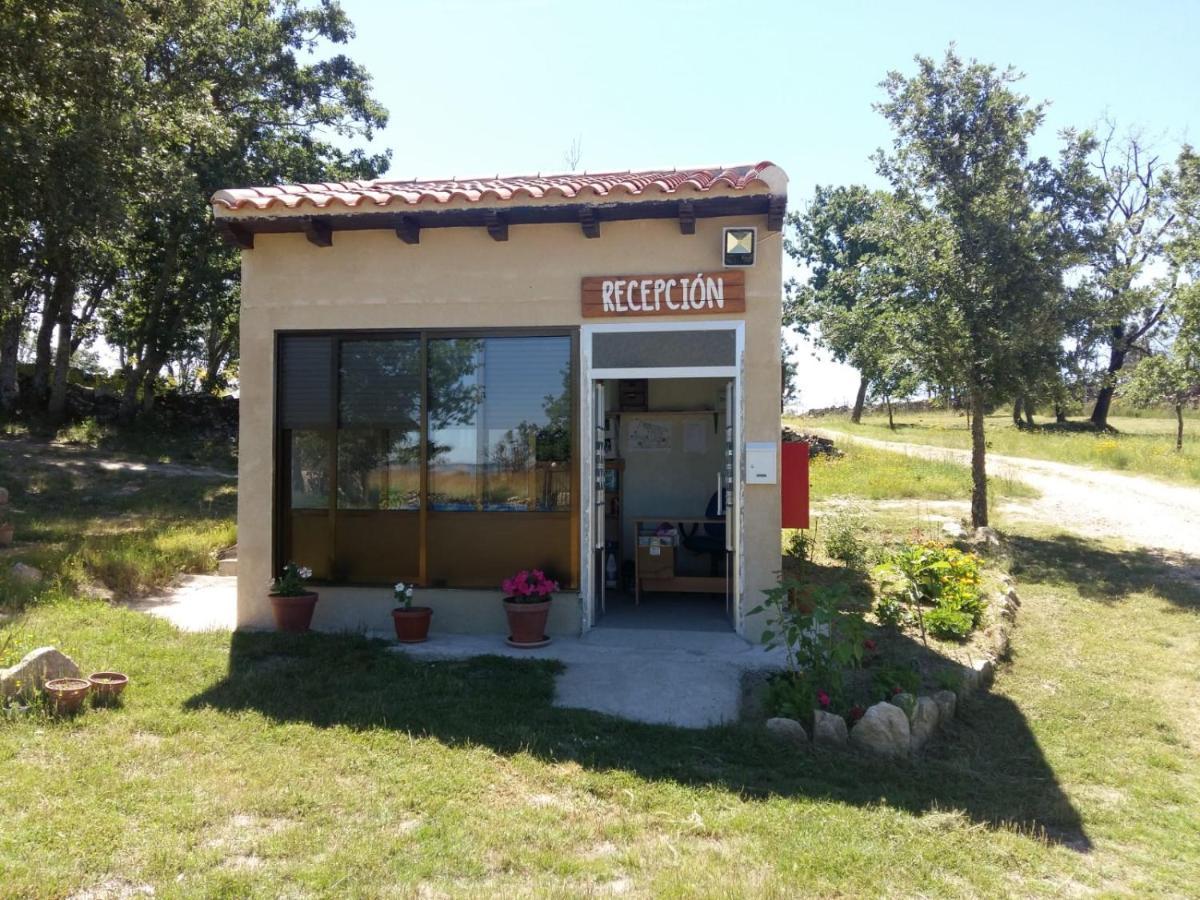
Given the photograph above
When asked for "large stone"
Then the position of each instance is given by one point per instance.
(829, 729)
(27, 574)
(38, 666)
(985, 672)
(997, 636)
(788, 730)
(953, 530)
(924, 722)
(883, 730)
(947, 702)
(906, 702)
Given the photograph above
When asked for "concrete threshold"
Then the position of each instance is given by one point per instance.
(686, 679)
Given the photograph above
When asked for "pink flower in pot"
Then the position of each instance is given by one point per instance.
(527, 606)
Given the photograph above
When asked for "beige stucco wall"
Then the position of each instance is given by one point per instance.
(460, 277)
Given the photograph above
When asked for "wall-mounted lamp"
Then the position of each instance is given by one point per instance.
(737, 246)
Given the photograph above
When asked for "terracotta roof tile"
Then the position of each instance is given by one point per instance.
(386, 192)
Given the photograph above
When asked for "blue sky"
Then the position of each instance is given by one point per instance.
(480, 88)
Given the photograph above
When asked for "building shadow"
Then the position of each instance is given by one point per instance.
(1102, 573)
(987, 766)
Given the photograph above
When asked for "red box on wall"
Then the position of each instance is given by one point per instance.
(794, 485)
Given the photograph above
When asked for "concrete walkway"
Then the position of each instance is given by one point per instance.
(689, 679)
(692, 679)
(195, 603)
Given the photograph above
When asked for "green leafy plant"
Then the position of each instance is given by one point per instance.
(894, 679)
(932, 574)
(843, 537)
(948, 680)
(799, 546)
(292, 581)
(823, 641)
(403, 594)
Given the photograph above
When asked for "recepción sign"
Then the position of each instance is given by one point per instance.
(690, 294)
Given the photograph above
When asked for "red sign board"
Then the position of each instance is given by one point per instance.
(794, 484)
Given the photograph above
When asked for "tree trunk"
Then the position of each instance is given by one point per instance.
(859, 401)
(1017, 411)
(62, 359)
(1029, 413)
(1116, 359)
(43, 347)
(1178, 427)
(1060, 414)
(891, 422)
(10, 346)
(979, 486)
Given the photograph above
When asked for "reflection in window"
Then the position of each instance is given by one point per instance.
(310, 470)
(379, 411)
(378, 469)
(499, 424)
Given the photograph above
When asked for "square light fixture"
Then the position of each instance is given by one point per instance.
(738, 246)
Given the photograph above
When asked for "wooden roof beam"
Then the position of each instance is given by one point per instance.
(236, 234)
(776, 209)
(687, 217)
(318, 231)
(589, 221)
(409, 230)
(497, 225)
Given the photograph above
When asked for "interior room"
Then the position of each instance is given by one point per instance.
(665, 562)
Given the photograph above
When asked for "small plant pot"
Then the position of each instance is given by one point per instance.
(6, 535)
(293, 614)
(107, 687)
(412, 623)
(66, 695)
(527, 623)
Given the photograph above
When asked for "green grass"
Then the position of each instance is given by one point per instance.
(879, 475)
(264, 765)
(1141, 444)
(81, 522)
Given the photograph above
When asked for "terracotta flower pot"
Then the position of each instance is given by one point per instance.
(293, 614)
(412, 623)
(67, 694)
(107, 687)
(527, 623)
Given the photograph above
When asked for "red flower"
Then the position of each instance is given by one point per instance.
(897, 690)
(823, 699)
(856, 713)
(869, 645)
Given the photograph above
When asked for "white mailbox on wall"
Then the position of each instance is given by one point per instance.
(760, 463)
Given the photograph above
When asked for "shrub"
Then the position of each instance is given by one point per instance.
(843, 537)
(932, 574)
(823, 642)
(891, 680)
(799, 546)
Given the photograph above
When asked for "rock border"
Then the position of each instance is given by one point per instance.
(903, 725)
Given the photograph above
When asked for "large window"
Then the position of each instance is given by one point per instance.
(433, 457)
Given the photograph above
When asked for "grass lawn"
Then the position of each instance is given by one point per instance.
(268, 765)
(1141, 444)
(85, 521)
(871, 474)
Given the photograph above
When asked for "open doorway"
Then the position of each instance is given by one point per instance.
(667, 493)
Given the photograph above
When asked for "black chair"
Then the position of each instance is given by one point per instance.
(711, 540)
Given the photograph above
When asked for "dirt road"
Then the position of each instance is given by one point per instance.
(1089, 502)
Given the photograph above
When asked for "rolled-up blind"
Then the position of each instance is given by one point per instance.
(305, 382)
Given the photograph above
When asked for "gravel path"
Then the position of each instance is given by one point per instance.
(1090, 502)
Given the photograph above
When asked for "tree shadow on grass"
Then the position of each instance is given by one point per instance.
(1099, 572)
(988, 764)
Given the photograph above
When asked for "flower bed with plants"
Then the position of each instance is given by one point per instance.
(879, 656)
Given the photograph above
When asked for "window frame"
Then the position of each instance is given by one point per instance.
(282, 510)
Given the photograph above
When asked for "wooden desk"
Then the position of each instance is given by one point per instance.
(672, 583)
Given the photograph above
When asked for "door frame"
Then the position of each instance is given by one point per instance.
(588, 376)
